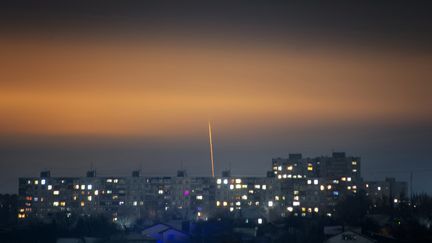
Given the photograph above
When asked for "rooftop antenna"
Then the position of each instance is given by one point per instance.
(211, 148)
(411, 186)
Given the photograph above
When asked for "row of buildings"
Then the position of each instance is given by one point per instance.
(295, 186)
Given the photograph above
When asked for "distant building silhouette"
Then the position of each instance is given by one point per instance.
(295, 186)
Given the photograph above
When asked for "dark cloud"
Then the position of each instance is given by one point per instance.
(398, 23)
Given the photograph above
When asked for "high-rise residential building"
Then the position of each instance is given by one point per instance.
(295, 186)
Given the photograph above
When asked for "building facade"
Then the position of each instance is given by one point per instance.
(295, 186)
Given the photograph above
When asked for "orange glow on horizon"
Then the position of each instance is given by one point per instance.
(156, 90)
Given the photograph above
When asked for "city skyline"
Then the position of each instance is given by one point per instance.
(295, 186)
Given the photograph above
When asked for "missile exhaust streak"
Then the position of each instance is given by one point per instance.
(211, 148)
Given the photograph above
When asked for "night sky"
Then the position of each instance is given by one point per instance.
(122, 85)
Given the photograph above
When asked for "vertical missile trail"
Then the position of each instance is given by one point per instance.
(211, 148)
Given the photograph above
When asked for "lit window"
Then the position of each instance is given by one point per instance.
(244, 197)
(199, 214)
(277, 198)
(36, 182)
(56, 192)
(238, 181)
(238, 203)
(343, 179)
(270, 203)
(115, 180)
(354, 162)
(238, 186)
(49, 187)
(257, 186)
(77, 187)
(55, 204)
(62, 204)
(231, 186)
(348, 178)
(329, 187)
(315, 182)
(264, 187)
(309, 182)
(225, 204)
(290, 167)
(225, 181)
(280, 168)
(316, 210)
(83, 187)
(89, 187)
(296, 203)
(231, 209)
(43, 181)
(218, 181)
(109, 180)
(217, 203)
(290, 209)
(260, 221)
(96, 192)
(199, 197)
(296, 198)
(89, 198)
(160, 191)
(279, 176)
(379, 188)
(322, 188)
